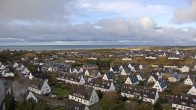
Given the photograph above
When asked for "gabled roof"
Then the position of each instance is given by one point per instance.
(100, 83)
(72, 77)
(155, 76)
(37, 83)
(162, 83)
(133, 78)
(81, 91)
(191, 77)
(115, 69)
(40, 75)
(185, 99)
(143, 76)
(93, 73)
(73, 105)
(176, 75)
(127, 70)
(110, 74)
(139, 90)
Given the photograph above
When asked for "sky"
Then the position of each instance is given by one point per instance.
(97, 22)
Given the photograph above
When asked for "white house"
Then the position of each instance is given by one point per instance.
(189, 80)
(132, 79)
(39, 86)
(31, 96)
(77, 70)
(146, 94)
(102, 85)
(184, 102)
(114, 69)
(93, 73)
(71, 78)
(160, 85)
(150, 57)
(153, 78)
(126, 59)
(109, 76)
(15, 65)
(192, 91)
(83, 94)
(125, 71)
(8, 74)
(184, 69)
(174, 77)
(73, 105)
(30, 76)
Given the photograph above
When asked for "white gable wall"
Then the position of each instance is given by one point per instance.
(31, 96)
(45, 88)
(192, 91)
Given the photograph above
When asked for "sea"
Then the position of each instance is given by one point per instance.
(62, 47)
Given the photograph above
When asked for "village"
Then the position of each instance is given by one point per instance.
(159, 78)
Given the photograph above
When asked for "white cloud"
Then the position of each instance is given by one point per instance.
(186, 15)
(125, 7)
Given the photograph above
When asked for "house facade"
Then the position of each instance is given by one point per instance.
(160, 85)
(83, 94)
(189, 80)
(73, 105)
(145, 94)
(192, 91)
(31, 96)
(132, 79)
(184, 102)
(39, 86)
(102, 85)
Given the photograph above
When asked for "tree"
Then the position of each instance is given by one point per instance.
(131, 105)
(109, 101)
(9, 102)
(145, 107)
(158, 104)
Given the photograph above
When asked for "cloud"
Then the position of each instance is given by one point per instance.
(186, 15)
(51, 21)
(125, 7)
(114, 31)
(36, 9)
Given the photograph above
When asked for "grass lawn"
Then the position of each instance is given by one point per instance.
(60, 91)
(59, 108)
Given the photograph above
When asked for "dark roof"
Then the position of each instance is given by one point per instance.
(100, 83)
(37, 83)
(93, 73)
(133, 78)
(81, 91)
(68, 76)
(155, 76)
(40, 75)
(110, 74)
(115, 69)
(127, 70)
(73, 105)
(90, 66)
(185, 99)
(142, 75)
(162, 83)
(191, 77)
(139, 90)
(176, 75)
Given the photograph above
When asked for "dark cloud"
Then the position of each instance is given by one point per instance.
(36, 9)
